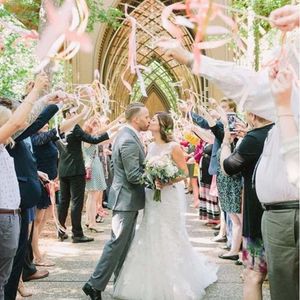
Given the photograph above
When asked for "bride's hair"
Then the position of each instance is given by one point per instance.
(166, 125)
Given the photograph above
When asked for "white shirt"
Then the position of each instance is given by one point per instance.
(252, 91)
(9, 187)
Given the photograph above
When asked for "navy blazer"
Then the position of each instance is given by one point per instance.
(218, 131)
(25, 163)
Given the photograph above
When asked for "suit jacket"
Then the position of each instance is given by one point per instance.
(25, 163)
(218, 131)
(71, 161)
(128, 156)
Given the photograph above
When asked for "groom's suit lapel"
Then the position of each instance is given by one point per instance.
(133, 134)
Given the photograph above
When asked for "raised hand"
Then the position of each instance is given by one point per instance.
(175, 50)
(41, 82)
(57, 97)
(285, 18)
(281, 86)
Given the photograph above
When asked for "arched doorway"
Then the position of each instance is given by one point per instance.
(163, 71)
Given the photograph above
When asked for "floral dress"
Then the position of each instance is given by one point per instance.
(230, 189)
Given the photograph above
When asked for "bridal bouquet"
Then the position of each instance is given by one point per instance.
(160, 168)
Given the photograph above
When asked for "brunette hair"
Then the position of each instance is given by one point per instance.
(166, 125)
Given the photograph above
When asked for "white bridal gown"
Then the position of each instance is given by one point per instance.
(161, 263)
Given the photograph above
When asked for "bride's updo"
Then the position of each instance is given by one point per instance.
(166, 125)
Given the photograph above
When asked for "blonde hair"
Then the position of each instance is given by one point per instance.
(5, 115)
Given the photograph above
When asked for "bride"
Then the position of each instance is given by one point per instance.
(161, 263)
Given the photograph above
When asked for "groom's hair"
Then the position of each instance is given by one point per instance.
(132, 109)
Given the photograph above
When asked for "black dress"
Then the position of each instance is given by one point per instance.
(209, 208)
(46, 154)
(244, 160)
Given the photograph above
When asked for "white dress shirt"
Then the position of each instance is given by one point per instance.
(9, 187)
(251, 90)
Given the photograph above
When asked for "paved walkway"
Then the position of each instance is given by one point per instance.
(75, 262)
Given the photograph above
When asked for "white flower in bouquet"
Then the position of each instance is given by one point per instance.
(160, 168)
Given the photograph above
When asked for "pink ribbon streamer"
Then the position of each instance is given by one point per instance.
(132, 57)
(206, 11)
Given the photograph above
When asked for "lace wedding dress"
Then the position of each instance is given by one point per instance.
(161, 263)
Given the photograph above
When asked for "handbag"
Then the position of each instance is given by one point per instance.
(88, 170)
(88, 173)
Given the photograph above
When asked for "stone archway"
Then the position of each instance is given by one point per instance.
(113, 59)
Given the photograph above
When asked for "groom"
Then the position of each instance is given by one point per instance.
(126, 198)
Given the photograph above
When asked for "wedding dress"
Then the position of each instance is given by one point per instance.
(161, 263)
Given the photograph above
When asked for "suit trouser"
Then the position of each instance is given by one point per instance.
(9, 239)
(10, 290)
(280, 230)
(72, 189)
(29, 267)
(115, 250)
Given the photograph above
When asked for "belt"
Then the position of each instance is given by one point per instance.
(281, 205)
(10, 211)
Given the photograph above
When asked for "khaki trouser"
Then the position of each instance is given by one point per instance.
(280, 230)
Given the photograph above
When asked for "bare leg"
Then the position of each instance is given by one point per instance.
(195, 187)
(252, 289)
(93, 208)
(36, 232)
(236, 234)
(222, 231)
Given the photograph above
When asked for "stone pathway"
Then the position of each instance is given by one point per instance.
(75, 262)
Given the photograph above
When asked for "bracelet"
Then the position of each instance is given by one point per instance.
(285, 115)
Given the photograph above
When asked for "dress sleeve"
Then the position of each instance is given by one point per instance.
(87, 138)
(246, 153)
(247, 88)
(42, 138)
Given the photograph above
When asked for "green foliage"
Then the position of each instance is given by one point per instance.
(27, 12)
(16, 63)
(260, 7)
(98, 13)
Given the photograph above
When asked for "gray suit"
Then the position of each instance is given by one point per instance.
(126, 198)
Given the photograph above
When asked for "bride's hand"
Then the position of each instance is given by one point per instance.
(159, 185)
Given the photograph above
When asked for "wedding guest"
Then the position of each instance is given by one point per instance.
(244, 159)
(72, 177)
(46, 154)
(27, 175)
(193, 166)
(96, 184)
(209, 209)
(279, 197)
(281, 84)
(10, 197)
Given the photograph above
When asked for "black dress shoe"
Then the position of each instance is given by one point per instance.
(90, 291)
(81, 239)
(62, 236)
(230, 257)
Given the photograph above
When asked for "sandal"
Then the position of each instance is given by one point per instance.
(94, 230)
(44, 263)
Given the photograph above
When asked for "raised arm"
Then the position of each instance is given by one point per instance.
(87, 138)
(18, 119)
(244, 86)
